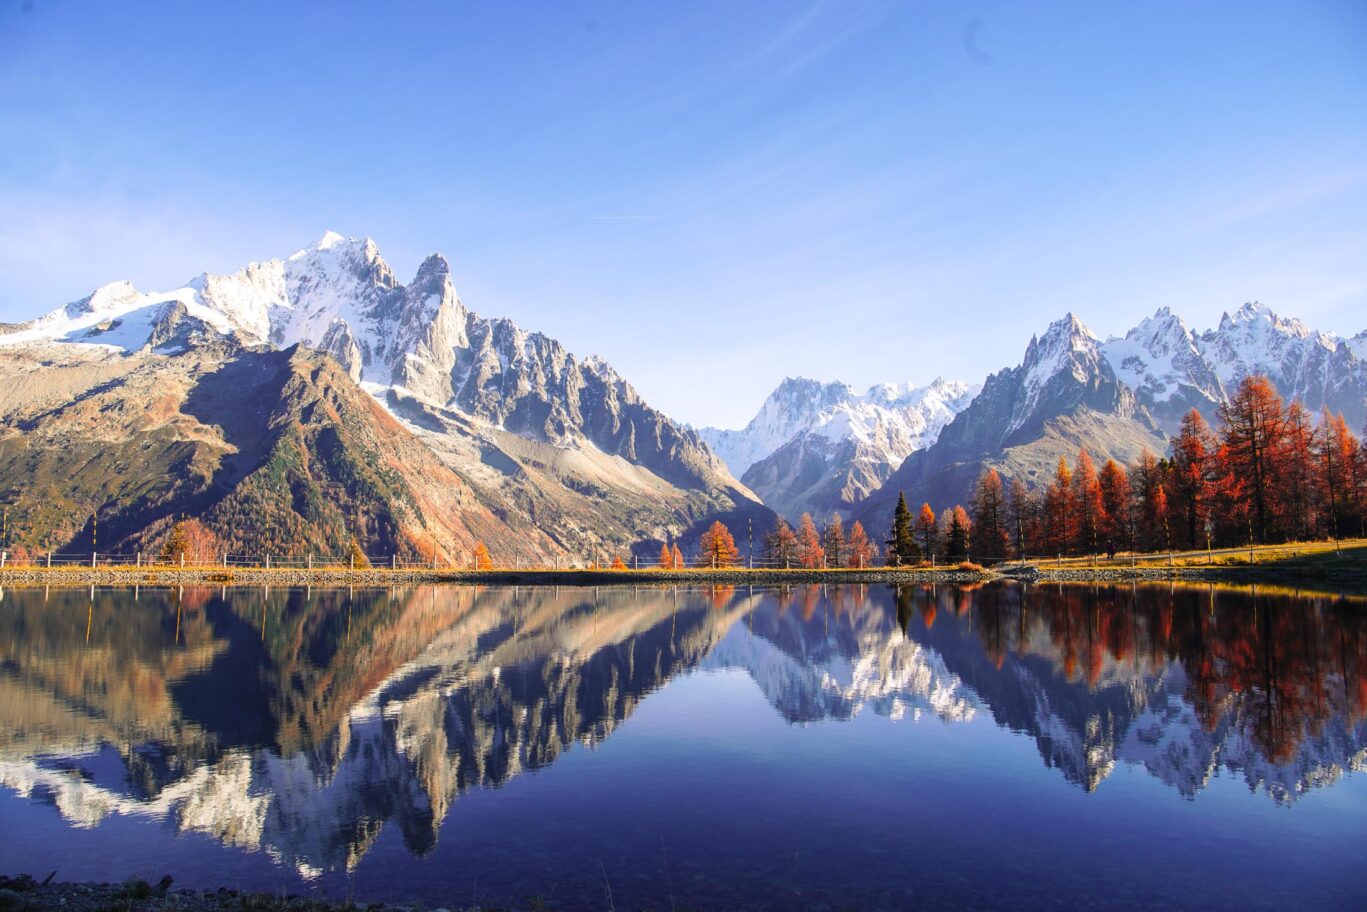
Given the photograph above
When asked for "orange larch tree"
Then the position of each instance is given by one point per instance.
(1059, 532)
(833, 541)
(717, 548)
(810, 554)
(859, 548)
(1193, 452)
(1252, 429)
(780, 545)
(483, 561)
(928, 530)
(1336, 455)
(1116, 505)
(1295, 492)
(1087, 509)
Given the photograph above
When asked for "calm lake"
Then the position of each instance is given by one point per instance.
(658, 748)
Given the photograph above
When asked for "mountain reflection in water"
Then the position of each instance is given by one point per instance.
(303, 723)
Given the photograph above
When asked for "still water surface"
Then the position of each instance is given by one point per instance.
(854, 747)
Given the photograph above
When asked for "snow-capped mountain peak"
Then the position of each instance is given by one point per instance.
(1068, 352)
(1159, 359)
(328, 240)
(834, 410)
(818, 447)
(341, 297)
(1262, 319)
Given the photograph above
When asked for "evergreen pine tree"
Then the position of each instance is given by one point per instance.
(902, 547)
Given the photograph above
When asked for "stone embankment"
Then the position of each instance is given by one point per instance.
(294, 577)
(69, 576)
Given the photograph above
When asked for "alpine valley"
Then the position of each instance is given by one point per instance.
(305, 403)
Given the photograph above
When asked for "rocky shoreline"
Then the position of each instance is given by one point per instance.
(24, 892)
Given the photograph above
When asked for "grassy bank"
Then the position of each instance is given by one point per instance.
(1340, 566)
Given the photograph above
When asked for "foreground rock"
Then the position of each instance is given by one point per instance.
(24, 892)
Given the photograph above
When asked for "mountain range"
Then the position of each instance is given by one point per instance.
(424, 428)
(302, 403)
(1116, 398)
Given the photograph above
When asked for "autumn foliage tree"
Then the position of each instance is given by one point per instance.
(1059, 532)
(928, 530)
(810, 554)
(957, 529)
(1252, 427)
(1087, 507)
(1294, 493)
(1268, 472)
(1193, 452)
(1339, 461)
(860, 549)
(833, 541)
(1116, 505)
(177, 545)
(717, 548)
(666, 558)
(483, 560)
(780, 545)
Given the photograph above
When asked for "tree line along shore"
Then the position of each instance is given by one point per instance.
(1268, 474)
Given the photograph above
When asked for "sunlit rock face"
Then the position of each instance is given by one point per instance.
(303, 725)
(1064, 396)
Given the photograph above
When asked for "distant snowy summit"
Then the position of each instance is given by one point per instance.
(1172, 368)
(819, 447)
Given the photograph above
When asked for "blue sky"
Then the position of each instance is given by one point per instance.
(711, 196)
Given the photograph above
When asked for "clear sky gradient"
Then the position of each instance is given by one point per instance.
(711, 196)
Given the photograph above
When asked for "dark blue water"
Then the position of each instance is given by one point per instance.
(851, 748)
